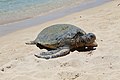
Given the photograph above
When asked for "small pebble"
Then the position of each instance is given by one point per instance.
(16, 58)
(111, 67)
(86, 61)
(8, 67)
(2, 69)
(110, 63)
(38, 61)
(102, 57)
(118, 4)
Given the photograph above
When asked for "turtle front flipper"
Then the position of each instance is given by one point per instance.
(62, 51)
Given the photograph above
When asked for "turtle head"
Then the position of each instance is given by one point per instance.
(89, 40)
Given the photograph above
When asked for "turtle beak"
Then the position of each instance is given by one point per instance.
(91, 46)
(94, 44)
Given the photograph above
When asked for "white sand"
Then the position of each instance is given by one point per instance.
(17, 60)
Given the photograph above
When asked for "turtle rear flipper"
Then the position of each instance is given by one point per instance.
(31, 43)
(54, 53)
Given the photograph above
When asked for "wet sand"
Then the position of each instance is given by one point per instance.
(17, 60)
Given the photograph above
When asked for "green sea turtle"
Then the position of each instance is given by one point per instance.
(60, 39)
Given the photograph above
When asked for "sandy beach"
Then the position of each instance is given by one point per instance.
(17, 60)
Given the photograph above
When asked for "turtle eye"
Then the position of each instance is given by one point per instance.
(91, 36)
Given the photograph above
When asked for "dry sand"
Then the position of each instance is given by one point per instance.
(17, 61)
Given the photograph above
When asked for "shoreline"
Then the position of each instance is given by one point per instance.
(11, 27)
(35, 10)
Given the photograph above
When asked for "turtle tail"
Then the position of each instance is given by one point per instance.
(31, 43)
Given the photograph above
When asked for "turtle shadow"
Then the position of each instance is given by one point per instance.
(83, 49)
(80, 49)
